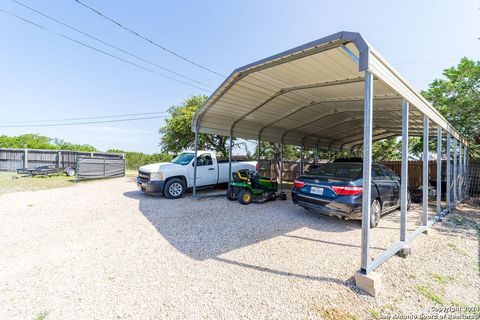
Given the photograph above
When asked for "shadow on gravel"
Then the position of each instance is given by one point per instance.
(207, 228)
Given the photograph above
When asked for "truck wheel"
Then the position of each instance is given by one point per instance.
(174, 189)
(245, 197)
(70, 172)
(375, 213)
(231, 195)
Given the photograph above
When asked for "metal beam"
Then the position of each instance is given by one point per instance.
(301, 160)
(281, 167)
(404, 178)
(455, 172)
(367, 170)
(425, 171)
(460, 172)
(258, 154)
(449, 173)
(230, 161)
(194, 194)
(439, 170)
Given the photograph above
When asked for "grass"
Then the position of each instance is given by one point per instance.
(375, 314)
(457, 249)
(441, 279)
(41, 315)
(429, 294)
(12, 182)
(332, 313)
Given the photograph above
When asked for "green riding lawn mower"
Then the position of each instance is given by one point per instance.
(249, 186)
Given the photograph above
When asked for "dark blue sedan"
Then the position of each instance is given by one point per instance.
(336, 189)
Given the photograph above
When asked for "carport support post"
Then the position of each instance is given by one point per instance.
(460, 171)
(404, 173)
(281, 167)
(406, 249)
(425, 171)
(365, 279)
(455, 172)
(439, 171)
(449, 173)
(301, 160)
(258, 155)
(367, 169)
(230, 161)
(194, 194)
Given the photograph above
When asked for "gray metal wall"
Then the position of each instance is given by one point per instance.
(94, 168)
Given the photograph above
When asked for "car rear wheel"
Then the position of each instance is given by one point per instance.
(245, 197)
(375, 213)
(174, 189)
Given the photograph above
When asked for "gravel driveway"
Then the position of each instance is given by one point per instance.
(103, 250)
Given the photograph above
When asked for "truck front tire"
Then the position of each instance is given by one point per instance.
(174, 189)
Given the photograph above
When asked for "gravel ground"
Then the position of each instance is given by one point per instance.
(103, 250)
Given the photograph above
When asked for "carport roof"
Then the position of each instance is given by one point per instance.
(312, 95)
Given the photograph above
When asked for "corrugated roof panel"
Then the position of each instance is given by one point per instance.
(313, 95)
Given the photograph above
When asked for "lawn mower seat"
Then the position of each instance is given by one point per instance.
(241, 176)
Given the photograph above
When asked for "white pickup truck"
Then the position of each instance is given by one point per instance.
(172, 179)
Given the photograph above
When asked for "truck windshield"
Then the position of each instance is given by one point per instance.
(183, 158)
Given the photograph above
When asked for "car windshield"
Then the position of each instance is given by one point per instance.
(183, 158)
(339, 170)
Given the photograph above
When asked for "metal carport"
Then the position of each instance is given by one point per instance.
(335, 93)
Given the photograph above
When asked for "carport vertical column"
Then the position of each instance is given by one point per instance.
(281, 167)
(425, 171)
(194, 193)
(404, 178)
(455, 172)
(230, 160)
(258, 154)
(301, 160)
(367, 170)
(439, 170)
(460, 171)
(449, 173)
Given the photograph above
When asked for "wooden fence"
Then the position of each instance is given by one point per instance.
(13, 159)
(291, 169)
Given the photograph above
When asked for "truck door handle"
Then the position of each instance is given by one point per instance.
(211, 169)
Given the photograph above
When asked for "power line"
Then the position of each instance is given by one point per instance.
(148, 40)
(87, 118)
(80, 123)
(108, 44)
(100, 51)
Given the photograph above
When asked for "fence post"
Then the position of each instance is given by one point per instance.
(25, 158)
(104, 167)
(59, 154)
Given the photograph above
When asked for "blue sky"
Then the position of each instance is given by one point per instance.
(47, 77)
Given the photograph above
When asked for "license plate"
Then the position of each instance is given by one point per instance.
(316, 190)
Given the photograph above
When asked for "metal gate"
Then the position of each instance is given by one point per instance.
(95, 168)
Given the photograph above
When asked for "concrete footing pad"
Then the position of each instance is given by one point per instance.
(404, 252)
(371, 283)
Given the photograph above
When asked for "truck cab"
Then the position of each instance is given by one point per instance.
(172, 179)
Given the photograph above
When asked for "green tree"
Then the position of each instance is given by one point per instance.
(176, 134)
(134, 160)
(35, 141)
(457, 98)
